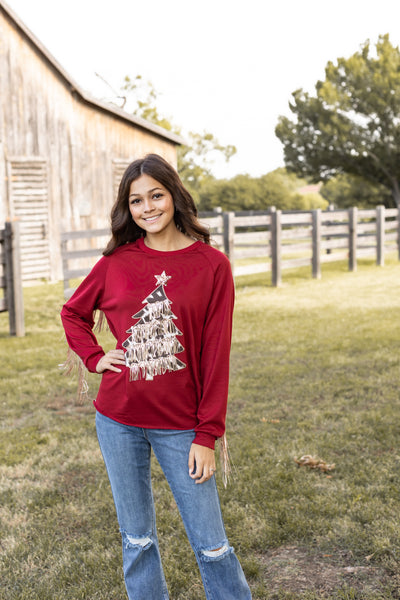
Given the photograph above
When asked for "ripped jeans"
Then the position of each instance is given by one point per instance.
(126, 452)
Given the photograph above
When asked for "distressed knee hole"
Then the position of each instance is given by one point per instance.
(217, 553)
(131, 541)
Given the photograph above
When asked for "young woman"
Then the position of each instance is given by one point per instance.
(168, 299)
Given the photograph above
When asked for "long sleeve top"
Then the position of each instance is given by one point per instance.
(171, 313)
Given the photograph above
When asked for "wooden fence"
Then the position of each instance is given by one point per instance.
(258, 242)
(10, 278)
(75, 259)
(273, 240)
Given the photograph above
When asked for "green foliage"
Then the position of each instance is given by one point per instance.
(345, 191)
(278, 188)
(309, 201)
(352, 123)
(239, 193)
(140, 97)
(195, 160)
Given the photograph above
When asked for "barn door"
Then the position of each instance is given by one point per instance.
(29, 203)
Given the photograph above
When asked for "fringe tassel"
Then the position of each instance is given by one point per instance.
(225, 460)
(102, 323)
(147, 369)
(74, 363)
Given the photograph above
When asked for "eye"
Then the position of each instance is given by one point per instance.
(157, 196)
(134, 201)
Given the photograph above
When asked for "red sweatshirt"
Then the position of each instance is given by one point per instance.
(171, 312)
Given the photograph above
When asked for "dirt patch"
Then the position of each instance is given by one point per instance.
(75, 406)
(296, 569)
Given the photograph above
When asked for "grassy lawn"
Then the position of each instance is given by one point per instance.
(315, 371)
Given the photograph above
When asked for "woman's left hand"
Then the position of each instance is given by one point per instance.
(202, 459)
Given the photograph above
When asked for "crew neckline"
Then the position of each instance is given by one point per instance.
(145, 248)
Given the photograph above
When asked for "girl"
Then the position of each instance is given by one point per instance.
(168, 299)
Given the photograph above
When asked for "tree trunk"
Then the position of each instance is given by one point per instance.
(396, 193)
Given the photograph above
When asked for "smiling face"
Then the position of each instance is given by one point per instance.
(151, 206)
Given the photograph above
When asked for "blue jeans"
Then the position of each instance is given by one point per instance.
(126, 452)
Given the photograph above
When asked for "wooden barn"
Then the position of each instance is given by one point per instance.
(62, 152)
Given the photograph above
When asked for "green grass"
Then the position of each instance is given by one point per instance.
(315, 370)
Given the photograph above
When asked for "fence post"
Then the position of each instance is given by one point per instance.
(15, 302)
(218, 211)
(8, 267)
(398, 232)
(353, 238)
(331, 208)
(229, 237)
(276, 257)
(380, 235)
(316, 243)
(64, 250)
(17, 281)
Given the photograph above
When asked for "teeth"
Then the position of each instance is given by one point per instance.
(152, 218)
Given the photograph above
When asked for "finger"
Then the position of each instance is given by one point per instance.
(197, 471)
(191, 464)
(200, 468)
(208, 472)
(115, 369)
(111, 362)
(206, 476)
(203, 473)
(107, 363)
(116, 356)
(201, 477)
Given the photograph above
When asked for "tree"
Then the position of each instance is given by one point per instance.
(242, 192)
(352, 124)
(152, 345)
(195, 161)
(278, 188)
(140, 98)
(344, 191)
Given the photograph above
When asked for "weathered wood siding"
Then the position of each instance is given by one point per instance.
(82, 147)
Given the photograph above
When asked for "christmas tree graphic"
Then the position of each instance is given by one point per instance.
(151, 347)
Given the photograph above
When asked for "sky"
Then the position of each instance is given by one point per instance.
(222, 66)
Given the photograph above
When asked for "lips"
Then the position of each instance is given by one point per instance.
(151, 219)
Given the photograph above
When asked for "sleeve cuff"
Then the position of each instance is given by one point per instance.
(91, 362)
(205, 439)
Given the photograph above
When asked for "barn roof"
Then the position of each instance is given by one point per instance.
(76, 90)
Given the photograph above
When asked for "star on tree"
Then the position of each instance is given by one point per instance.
(162, 279)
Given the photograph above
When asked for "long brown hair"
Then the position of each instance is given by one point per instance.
(123, 227)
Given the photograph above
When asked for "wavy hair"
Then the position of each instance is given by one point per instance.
(123, 227)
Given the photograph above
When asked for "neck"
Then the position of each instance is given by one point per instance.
(168, 242)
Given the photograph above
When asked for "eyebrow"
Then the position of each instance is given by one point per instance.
(148, 192)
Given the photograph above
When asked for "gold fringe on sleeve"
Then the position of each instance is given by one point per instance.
(101, 323)
(74, 364)
(223, 450)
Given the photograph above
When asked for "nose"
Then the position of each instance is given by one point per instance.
(148, 205)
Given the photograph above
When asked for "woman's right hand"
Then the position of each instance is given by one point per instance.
(107, 362)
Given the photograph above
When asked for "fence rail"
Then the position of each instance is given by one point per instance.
(10, 278)
(300, 238)
(270, 241)
(71, 258)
